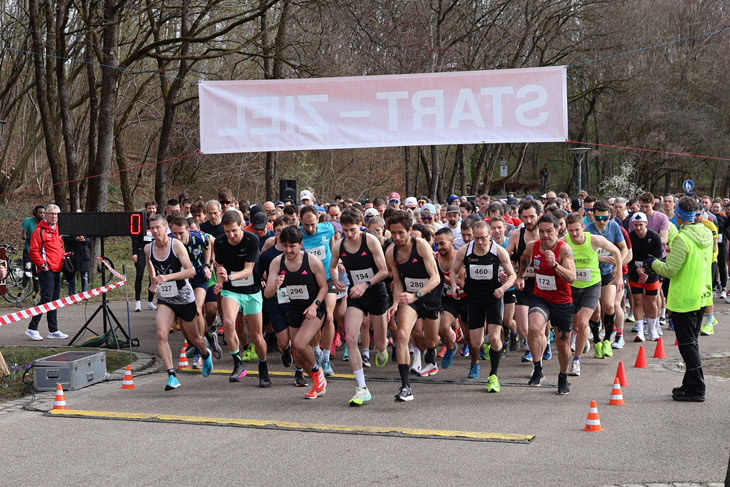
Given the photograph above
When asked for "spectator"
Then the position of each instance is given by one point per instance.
(29, 224)
(80, 248)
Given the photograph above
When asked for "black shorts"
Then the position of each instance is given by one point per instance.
(186, 312)
(295, 315)
(371, 303)
(331, 289)
(586, 297)
(199, 281)
(276, 314)
(510, 296)
(211, 296)
(455, 307)
(480, 310)
(607, 279)
(524, 297)
(426, 310)
(560, 315)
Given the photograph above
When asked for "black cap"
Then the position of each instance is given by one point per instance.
(255, 209)
(576, 204)
(258, 221)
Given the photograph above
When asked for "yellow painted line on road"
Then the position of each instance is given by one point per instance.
(390, 431)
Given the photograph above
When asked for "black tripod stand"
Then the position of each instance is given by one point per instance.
(106, 313)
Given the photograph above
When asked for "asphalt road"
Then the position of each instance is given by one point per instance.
(650, 439)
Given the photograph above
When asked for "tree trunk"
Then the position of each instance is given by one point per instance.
(43, 85)
(426, 166)
(462, 174)
(91, 138)
(72, 170)
(476, 173)
(127, 198)
(407, 162)
(98, 194)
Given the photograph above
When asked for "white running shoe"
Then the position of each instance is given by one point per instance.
(429, 369)
(151, 306)
(58, 335)
(137, 306)
(416, 364)
(574, 368)
(33, 335)
(573, 337)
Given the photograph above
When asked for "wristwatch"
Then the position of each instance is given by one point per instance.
(554, 266)
(317, 302)
(368, 284)
(419, 295)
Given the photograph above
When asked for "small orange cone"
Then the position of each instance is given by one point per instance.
(640, 359)
(621, 375)
(676, 341)
(60, 401)
(617, 397)
(593, 423)
(128, 381)
(183, 363)
(659, 350)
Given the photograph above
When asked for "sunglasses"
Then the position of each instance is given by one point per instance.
(588, 210)
(603, 218)
(427, 218)
(394, 202)
(224, 202)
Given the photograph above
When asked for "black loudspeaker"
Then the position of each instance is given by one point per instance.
(288, 189)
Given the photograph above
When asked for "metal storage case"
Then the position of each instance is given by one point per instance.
(73, 370)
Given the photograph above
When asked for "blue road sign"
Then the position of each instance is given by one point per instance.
(688, 185)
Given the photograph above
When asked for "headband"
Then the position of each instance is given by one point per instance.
(688, 216)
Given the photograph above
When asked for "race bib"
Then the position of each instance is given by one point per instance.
(481, 272)
(602, 251)
(248, 281)
(583, 274)
(447, 289)
(530, 272)
(362, 275)
(638, 264)
(545, 283)
(415, 285)
(281, 296)
(297, 292)
(148, 236)
(167, 289)
(319, 252)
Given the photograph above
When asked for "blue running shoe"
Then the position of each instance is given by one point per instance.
(464, 352)
(448, 358)
(473, 371)
(671, 324)
(327, 368)
(345, 355)
(527, 357)
(548, 352)
(208, 364)
(172, 383)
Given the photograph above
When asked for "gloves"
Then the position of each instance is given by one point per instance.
(647, 263)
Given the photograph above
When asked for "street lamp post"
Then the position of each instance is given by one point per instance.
(579, 155)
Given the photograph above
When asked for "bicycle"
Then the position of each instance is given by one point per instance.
(20, 282)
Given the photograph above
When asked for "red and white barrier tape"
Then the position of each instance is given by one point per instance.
(59, 303)
(111, 269)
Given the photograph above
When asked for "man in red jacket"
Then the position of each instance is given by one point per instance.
(46, 253)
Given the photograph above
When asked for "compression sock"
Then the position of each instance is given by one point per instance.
(595, 330)
(403, 371)
(430, 356)
(326, 354)
(608, 323)
(494, 356)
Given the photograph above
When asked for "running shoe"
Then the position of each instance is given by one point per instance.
(319, 388)
(137, 306)
(33, 335)
(286, 358)
(448, 359)
(671, 325)
(527, 357)
(429, 369)
(404, 394)
(574, 368)
(264, 379)
(659, 330)
(714, 321)
(630, 317)
(618, 343)
(214, 345)
(607, 351)
(563, 385)
(327, 368)
(452, 333)
(635, 329)
(458, 333)
(493, 384)
(598, 350)
(441, 352)
(484, 351)
(239, 372)
(639, 337)
(573, 337)
(172, 383)
(548, 352)
(59, 335)
(362, 395)
(536, 378)
(416, 365)
(381, 358)
(514, 343)
(366, 361)
(208, 364)
(191, 351)
(249, 354)
(196, 361)
(299, 380)
(707, 330)
(464, 352)
(345, 355)
(653, 335)
(552, 335)
(151, 306)
(473, 371)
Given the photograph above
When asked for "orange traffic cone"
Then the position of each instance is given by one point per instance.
(621, 375)
(183, 363)
(617, 397)
(60, 401)
(659, 350)
(676, 341)
(640, 359)
(593, 423)
(128, 381)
